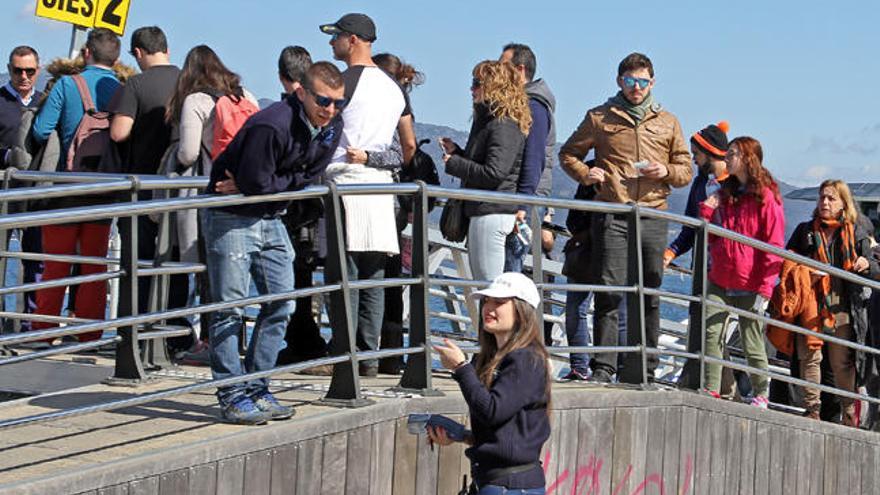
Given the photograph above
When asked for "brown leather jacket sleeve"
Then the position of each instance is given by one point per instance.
(575, 149)
(680, 171)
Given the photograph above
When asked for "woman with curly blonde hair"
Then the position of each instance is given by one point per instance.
(491, 161)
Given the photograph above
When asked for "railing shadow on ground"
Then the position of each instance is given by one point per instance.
(140, 337)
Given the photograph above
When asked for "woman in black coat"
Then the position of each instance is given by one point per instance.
(491, 161)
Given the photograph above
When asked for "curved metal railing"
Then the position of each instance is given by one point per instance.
(344, 386)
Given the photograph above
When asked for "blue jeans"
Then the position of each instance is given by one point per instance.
(487, 237)
(240, 248)
(367, 305)
(576, 306)
(500, 490)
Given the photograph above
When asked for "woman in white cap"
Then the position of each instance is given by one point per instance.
(507, 389)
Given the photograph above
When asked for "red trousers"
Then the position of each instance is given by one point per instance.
(91, 298)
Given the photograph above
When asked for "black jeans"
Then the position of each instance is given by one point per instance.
(610, 265)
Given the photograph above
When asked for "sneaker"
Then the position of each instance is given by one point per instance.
(267, 403)
(368, 371)
(711, 393)
(198, 355)
(576, 376)
(320, 370)
(600, 376)
(244, 412)
(761, 402)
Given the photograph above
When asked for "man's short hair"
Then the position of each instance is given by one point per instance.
(150, 39)
(635, 61)
(104, 45)
(23, 51)
(293, 63)
(325, 72)
(523, 55)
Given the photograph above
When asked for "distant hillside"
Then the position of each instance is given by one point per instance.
(564, 187)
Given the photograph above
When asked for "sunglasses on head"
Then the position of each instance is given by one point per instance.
(326, 101)
(476, 83)
(30, 71)
(630, 82)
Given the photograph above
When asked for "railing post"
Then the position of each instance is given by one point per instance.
(692, 373)
(7, 325)
(703, 269)
(129, 369)
(535, 223)
(417, 375)
(635, 303)
(345, 387)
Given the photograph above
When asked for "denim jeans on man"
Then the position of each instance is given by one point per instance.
(577, 305)
(486, 240)
(240, 248)
(367, 305)
(610, 264)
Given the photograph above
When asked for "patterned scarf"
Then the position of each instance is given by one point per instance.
(823, 251)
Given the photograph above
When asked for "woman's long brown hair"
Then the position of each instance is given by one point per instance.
(202, 71)
(526, 335)
(751, 156)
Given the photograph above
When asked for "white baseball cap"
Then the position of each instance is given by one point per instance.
(511, 284)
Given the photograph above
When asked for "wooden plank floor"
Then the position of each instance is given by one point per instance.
(605, 440)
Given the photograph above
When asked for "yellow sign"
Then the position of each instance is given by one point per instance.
(110, 14)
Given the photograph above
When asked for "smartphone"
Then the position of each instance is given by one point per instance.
(442, 148)
(641, 165)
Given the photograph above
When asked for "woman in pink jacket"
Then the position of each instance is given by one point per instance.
(741, 276)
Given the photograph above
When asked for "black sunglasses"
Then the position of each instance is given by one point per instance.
(30, 71)
(475, 83)
(326, 101)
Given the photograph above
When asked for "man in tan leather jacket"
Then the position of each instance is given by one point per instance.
(640, 154)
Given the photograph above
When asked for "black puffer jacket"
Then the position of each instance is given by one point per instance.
(490, 161)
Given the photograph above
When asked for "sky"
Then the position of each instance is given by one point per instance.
(800, 76)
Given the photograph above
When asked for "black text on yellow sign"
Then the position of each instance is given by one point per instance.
(110, 14)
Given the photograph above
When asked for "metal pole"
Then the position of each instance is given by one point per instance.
(7, 325)
(703, 273)
(129, 368)
(345, 387)
(537, 263)
(77, 40)
(417, 375)
(637, 277)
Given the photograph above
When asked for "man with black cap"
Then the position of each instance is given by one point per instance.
(709, 146)
(377, 107)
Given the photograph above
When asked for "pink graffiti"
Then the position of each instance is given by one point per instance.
(587, 478)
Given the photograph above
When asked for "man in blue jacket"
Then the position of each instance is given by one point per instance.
(282, 148)
(536, 174)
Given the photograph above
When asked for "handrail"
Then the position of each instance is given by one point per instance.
(421, 282)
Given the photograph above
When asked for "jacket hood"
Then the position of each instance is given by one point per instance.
(539, 90)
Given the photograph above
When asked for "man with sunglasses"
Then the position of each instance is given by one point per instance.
(640, 154)
(284, 147)
(377, 107)
(18, 93)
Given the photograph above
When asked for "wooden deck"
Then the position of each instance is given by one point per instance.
(606, 440)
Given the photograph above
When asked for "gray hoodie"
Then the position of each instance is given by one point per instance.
(539, 90)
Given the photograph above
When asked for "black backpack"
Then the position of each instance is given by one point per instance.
(421, 168)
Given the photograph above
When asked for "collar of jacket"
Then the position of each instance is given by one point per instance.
(652, 114)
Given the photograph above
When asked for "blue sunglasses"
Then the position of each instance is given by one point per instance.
(326, 101)
(630, 82)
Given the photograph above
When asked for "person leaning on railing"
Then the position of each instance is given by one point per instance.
(741, 276)
(836, 236)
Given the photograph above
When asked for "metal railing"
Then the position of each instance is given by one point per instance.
(345, 386)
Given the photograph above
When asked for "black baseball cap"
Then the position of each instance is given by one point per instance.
(357, 24)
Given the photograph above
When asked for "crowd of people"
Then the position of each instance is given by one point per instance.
(356, 126)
